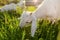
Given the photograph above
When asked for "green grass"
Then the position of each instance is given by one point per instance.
(10, 29)
(30, 8)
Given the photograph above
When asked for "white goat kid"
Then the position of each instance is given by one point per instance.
(50, 8)
(11, 6)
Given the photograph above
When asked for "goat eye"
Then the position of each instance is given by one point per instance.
(27, 22)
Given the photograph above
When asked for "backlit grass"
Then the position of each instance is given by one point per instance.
(10, 29)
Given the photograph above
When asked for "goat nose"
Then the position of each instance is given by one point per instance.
(21, 26)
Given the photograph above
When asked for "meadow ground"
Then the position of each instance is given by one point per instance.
(10, 29)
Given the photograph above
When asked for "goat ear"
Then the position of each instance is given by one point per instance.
(30, 13)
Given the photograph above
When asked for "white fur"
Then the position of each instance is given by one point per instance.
(50, 8)
(11, 6)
